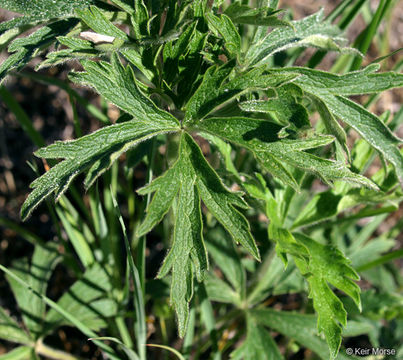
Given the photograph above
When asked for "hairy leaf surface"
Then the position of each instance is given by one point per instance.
(217, 88)
(24, 49)
(310, 31)
(192, 179)
(100, 149)
(261, 137)
(321, 265)
(331, 89)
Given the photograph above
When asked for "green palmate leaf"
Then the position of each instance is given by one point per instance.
(217, 88)
(328, 204)
(286, 244)
(321, 265)
(310, 31)
(258, 345)
(36, 275)
(286, 109)
(35, 11)
(330, 89)
(100, 149)
(77, 49)
(370, 127)
(321, 207)
(261, 137)
(365, 81)
(87, 300)
(218, 290)
(11, 331)
(218, 199)
(187, 249)
(72, 318)
(190, 179)
(118, 85)
(296, 326)
(330, 313)
(12, 28)
(331, 124)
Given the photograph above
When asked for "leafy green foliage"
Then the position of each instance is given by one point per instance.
(193, 178)
(97, 151)
(258, 344)
(310, 31)
(298, 326)
(89, 290)
(260, 137)
(44, 8)
(194, 81)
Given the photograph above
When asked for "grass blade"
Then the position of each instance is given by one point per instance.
(21, 117)
(140, 323)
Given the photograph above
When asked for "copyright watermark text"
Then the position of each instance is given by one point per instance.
(370, 351)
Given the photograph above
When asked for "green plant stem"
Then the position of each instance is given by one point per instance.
(124, 332)
(76, 121)
(369, 33)
(50, 353)
(397, 254)
(188, 342)
(141, 245)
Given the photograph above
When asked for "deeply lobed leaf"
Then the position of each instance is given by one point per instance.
(321, 265)
(100, 149)
(261, 137)
(331, 90)
(193, 179)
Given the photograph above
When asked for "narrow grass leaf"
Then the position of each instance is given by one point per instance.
(139, 305)
(21, 117)
(168, 348)
(131, 355)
